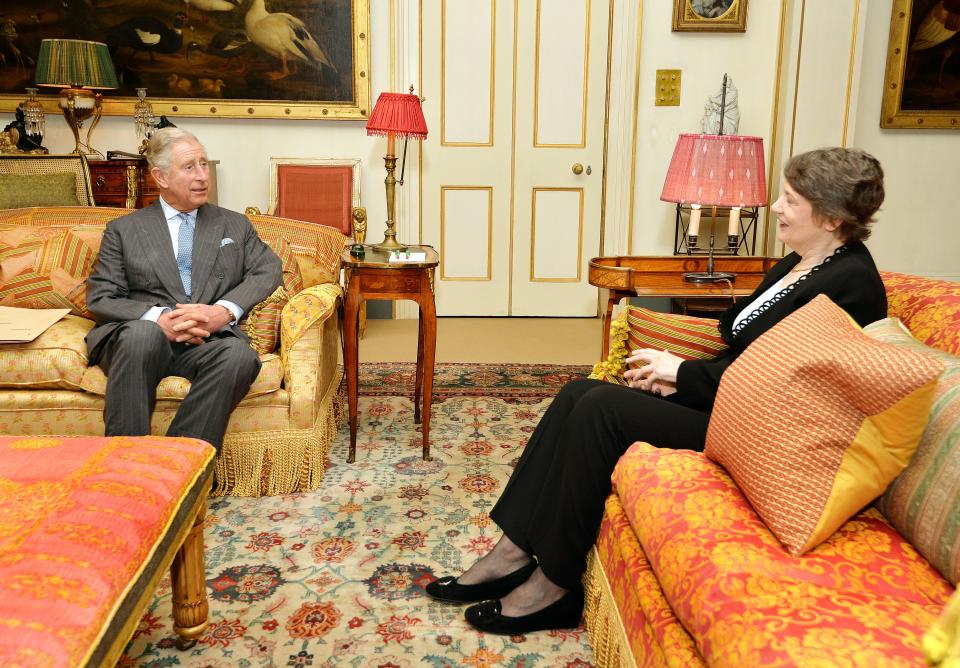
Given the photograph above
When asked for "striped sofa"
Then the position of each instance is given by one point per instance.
(277, 438)
(684, 573)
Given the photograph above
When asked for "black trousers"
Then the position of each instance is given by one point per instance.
(553, 503)
(137, 357)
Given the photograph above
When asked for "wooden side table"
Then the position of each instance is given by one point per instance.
(653, 276)
(374, 277)
(127, 183)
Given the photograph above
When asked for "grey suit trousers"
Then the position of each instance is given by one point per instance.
(138, 356)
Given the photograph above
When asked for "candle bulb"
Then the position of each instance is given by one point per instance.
(694, 229)
(733, 228)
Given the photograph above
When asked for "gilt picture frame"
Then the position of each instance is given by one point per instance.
(921, 87)
(205, 58)
(709, 15)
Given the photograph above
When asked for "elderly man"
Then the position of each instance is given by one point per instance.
(169, 286)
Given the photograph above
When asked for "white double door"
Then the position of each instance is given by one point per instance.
(513, 168)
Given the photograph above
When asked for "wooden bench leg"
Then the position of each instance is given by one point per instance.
(188, 576)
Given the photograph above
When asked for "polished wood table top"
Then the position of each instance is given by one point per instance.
(662, 276)
(377, 259)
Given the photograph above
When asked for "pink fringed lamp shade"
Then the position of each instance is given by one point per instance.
(717, 170)
(397, 114)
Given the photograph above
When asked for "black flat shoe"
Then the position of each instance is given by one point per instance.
(564, 613)
(449, 590)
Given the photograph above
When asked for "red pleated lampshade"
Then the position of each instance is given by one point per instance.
(398, 114)
(717, 170)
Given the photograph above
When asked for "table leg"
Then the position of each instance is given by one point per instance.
(428, 316)
(189, 584)
(351, 358)
(418, 380)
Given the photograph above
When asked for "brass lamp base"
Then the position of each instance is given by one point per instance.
(390, 244)
(77, 105)
(709, 277)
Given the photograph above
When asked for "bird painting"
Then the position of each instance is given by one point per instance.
(286, 37)
(225, 44)
(938, 27)
(147, 33)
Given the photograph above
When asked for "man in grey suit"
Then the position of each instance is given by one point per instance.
(170, 283)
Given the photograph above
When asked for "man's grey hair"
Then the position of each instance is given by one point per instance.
(162, 141)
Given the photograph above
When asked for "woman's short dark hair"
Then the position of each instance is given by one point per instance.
(844, 184)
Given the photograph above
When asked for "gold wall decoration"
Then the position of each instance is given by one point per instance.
(209, 63)
(709, 15)
(921, 88)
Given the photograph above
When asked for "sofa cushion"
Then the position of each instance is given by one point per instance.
(47, 269)
(922, 502)
(685, 336)
(53, 189)
(268, 380)
(815, 419)
(55, 359)
(262, 323)
(86, 524)
(929, 308)
(864, 597)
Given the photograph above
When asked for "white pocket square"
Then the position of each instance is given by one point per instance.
(224, 242)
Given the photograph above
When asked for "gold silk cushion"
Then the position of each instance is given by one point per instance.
(686, 336)
(815, 419)
(55, 359)
(262, 324)
(923, 502)
(175, 388)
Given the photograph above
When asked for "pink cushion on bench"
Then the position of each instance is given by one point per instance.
(83, 523)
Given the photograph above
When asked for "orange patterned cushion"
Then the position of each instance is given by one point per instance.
(83, 525)
(864, 597)
(47, 273)
(815, 419)
(922, 502)
(929, 308)
(57, 359)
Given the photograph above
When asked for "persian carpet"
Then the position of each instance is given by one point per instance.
(335, 577)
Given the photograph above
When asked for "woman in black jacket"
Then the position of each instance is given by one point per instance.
(552, 506)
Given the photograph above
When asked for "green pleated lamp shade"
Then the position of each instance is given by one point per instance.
(63, 63)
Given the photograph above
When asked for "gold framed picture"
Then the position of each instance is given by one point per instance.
(921, 88)
(217, 58)
(709, 15)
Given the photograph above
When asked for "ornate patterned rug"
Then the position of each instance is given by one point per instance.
(335, 577)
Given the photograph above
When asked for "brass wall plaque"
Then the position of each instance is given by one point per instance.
(668, 88)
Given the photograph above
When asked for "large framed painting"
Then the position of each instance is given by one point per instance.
(709, 15)
(232, 58)
(922, 85)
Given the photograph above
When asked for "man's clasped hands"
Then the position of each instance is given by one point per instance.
(193, 323)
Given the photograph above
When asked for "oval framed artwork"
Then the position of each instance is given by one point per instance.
(709, 15)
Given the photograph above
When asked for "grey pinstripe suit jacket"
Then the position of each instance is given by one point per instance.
(136, 268)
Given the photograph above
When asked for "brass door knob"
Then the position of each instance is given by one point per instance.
(577, 168)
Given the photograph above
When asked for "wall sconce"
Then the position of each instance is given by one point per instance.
(78, 68)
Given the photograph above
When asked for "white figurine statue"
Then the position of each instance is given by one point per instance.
(731, 111)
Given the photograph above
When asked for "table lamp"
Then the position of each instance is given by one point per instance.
(79, 68)
(715, 170)
(395, 115)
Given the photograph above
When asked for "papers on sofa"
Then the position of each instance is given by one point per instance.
(404, 256)
(23, 325)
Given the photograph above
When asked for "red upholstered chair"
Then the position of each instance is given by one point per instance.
(326, 192)
(323, 191)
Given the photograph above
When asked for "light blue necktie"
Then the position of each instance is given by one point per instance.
(185, 252)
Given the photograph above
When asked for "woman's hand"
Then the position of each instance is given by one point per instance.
(657, 373)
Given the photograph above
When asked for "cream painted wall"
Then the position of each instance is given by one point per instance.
(917, 231)
(244, 146)
(749, 58)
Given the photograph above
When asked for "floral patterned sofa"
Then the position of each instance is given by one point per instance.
(277, 438)
(684, 573)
